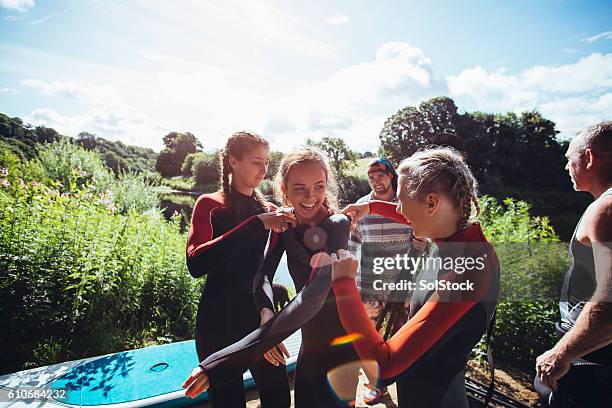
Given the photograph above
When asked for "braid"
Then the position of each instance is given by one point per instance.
(476, 205)
(465, 197)
(260, 200)
(225, 171)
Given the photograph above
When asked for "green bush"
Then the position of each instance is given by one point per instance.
(80, 278)
(351, 189)
(134, 192)
(533, 263)
(74, 167)
(205, 169)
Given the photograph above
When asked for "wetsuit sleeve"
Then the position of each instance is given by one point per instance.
(230, 362)
(423, 332)
(205, 254)
(262, 284)
(387, 210)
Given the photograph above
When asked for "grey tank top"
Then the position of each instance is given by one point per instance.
(579, 283)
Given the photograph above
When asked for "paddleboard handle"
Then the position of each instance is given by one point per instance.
(159, 367)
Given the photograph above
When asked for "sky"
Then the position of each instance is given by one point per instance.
(134, 70)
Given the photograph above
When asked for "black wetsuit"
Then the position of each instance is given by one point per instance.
(227, 245)
(313, 310)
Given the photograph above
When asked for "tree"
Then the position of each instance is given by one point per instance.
(205, 168)
(177, 147)
(412, 128)
(275, 160)
(341, 157)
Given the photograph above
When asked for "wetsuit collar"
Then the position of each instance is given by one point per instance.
(473, 233)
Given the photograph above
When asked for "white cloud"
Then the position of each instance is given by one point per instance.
(353, 102)
(337, 19)
(572, 95)
(19, 5)
(96, 95)
(10, 91)
(106, 113)
(129, 126)
(606, 35)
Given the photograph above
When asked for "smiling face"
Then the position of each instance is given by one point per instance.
(305, 188)
(251, 169)
(380, 182)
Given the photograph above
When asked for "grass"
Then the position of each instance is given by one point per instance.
(360, 169)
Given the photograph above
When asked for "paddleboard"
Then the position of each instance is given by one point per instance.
(150, 376)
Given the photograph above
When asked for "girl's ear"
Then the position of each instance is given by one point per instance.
(284, 191)
(433, 203)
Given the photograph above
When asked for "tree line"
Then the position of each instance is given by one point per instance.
(511, 155)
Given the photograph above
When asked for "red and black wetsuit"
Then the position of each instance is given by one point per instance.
(427, 356)
(227, 245)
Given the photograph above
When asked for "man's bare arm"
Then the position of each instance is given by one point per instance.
(593, 328)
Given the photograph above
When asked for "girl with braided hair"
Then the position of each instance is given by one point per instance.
(428, 354)
(227, 237)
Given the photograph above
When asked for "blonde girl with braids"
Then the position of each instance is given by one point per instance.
(228, 233)
(452, 306)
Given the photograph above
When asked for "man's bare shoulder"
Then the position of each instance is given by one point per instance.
(596, 225)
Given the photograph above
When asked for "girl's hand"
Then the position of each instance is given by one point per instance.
(278, 220)
(276, 355)
(344, 265)
(196, 383)
(356, 211)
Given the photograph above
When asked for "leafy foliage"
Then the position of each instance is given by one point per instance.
(533, 263)
(178, 147)
(510, 155)
(340, 156)
(119, 157)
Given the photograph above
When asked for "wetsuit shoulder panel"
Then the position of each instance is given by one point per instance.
(205, 254)
(387, 210)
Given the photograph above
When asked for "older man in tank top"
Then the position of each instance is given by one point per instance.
(578, 368)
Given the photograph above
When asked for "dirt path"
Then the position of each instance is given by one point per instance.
(515, 384)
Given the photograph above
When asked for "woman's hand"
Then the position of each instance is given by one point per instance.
(196, 383)
(356, 211)
(278, 220)
(276, 355)
(344, 265)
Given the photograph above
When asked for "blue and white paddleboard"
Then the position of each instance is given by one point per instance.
(151, 376)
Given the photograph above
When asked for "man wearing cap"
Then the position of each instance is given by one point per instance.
(375, 237)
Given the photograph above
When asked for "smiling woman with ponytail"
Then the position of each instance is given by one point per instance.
(226, 243)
